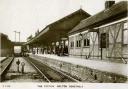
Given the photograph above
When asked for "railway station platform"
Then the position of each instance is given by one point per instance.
(29, 75)
(95, 70)
(2, 58)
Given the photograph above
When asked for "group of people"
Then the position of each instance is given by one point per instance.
(61, 51)
(58, 50)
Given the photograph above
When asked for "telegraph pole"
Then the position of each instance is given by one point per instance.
(15, 36)
(19, 36)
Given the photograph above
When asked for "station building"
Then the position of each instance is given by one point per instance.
(54, 37)
(6, 46)
(103, 36)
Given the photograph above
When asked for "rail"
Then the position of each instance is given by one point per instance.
(4, 66)
(47, 77)
(39, 71)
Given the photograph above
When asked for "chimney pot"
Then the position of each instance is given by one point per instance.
(108, 4)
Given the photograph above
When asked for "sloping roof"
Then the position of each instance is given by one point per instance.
(112, 13)
(68, 16)
(62, 26)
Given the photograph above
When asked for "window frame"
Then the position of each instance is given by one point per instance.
(86, 42)
(72, 44)
(78, 43)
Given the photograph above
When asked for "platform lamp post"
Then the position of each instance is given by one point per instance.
(81, 39)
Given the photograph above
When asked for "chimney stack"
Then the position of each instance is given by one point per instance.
(108, 4)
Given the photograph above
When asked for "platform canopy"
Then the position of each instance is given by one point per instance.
(56, 31)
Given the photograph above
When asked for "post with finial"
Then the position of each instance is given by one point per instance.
(18, 62)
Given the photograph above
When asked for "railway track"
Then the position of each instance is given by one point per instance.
(4, 66)
(48, 73)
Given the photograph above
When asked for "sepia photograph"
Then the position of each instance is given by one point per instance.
(70, 44)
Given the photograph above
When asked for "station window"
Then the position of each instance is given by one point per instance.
(78, 43)
(72, 44)
(104, 40)
(125, 33)
(86, 42)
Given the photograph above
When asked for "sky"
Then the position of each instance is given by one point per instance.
(27, 16)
